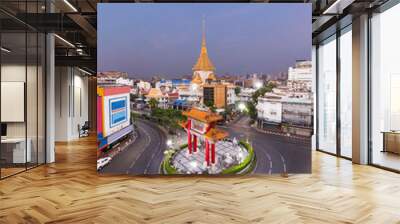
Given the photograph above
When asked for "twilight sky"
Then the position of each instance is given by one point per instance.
(165, 39)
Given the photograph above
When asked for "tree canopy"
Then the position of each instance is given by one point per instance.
(169, 118)
(261, 91)
(153, 103)
(237, 90)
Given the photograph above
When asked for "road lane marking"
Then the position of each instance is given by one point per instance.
(156, 151)
(147, 144)
(267, 155)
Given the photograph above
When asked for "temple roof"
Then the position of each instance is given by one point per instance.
(202, 115)
(197, 79)
(211, 76)
(154, 93)
(215, 134)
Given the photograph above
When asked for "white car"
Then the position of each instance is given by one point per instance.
(103, 162)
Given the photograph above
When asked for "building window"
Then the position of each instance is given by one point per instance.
(346, 92)
(327, 95)
(385, 89)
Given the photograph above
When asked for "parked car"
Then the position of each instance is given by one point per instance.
(102, 162)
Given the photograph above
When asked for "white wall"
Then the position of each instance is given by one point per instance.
(71, 102)
(16, 73)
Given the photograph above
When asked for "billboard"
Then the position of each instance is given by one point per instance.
(116, 113)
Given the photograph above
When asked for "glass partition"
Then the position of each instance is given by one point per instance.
(22, 92)
(14, 155)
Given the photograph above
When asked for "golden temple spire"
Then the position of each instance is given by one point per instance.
(203, 37)
(203, 62)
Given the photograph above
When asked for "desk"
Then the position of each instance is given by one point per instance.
(391, 141)
(13, 150)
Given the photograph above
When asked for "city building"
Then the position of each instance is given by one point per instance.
(297, 116)
(114, 78)
(300, 76)
(143, 86)
(161, 98)
(287, 112)
(231, 97)
(215, 94)
(245, 95)
(269, 111)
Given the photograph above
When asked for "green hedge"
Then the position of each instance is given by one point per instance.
(237, 168)
(167, 167)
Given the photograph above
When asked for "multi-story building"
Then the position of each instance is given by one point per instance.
(215, 94)
(245, 95)
(300, 76)
(279, 111)
(114, 78)
(172, 83)
(143, 86)
(297, 116)
(269, 110)
(231, 97)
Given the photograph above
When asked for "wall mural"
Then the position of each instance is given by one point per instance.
(204, 89)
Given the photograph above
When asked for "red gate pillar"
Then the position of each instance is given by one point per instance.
(207, 153)
(213, 153)
(194, 143)
(189, 142)
(189, 136)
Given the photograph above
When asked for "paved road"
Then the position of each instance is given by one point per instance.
(144, 155)
(275, 154)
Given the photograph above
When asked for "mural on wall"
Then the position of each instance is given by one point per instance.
(204, 89)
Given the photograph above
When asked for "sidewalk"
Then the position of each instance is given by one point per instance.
(280, 133)
(120, 147)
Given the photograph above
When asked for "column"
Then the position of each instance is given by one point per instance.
(213, 153)
(360, 90)
(207, 153)
(50, 92)
(194, 143)
(314, 90)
